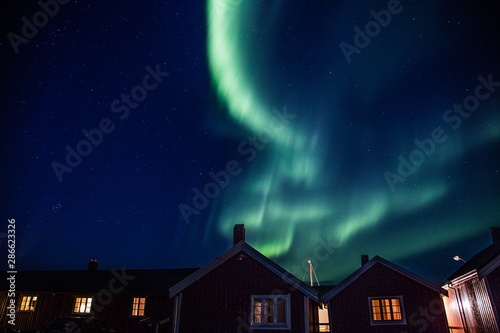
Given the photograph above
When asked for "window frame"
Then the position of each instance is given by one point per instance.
(138, 308)
(271, 326)
(86, 297)
(31, 306)
(374, 322)
(322, 326)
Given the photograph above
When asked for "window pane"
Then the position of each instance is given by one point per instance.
(33, 303)
(386, 309)
(376, 309)
(135, 306)
(280, 311)
(82, 305)
(396, 309)
(142, 306)
(269, 310)
(397, 316)
(89, 303)
(77, 305)
(23, 303)
(324, 328)
(257, 310)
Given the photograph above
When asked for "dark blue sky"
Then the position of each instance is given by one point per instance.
(261, 120)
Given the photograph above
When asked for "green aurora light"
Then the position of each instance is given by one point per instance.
(289, 200)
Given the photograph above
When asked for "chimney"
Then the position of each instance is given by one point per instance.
(495, 234)
(238, 233)
(93, 265)
(364, 259)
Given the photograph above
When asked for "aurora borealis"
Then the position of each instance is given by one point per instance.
(296, 197)
(264, 84)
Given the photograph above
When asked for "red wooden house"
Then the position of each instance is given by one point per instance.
(243, 291)
(126, 300)
(474, 291)
(383, 297)
(240, 291)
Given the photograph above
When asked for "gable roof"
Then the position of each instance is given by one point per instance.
(241, 246)
(147, 281)
(378, 260)
(483, 262)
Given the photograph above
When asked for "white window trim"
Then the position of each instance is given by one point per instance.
(387, 322)
(268, 326)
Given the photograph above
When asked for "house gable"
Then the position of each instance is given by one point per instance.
(237, 249)
(351, 307)
(378, 260)
(221, 300)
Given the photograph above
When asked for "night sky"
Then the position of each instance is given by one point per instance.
(139, 133)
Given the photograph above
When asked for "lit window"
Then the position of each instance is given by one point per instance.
(28, 303)
(82, 304)
(386, 310)
(271, 311)
(324, 322)
(138, 306)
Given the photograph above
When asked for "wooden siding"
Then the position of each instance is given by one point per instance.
(350, 312)
(493, 282)
(116, 314)
(484, 306)
(221, 300)
(477, 309)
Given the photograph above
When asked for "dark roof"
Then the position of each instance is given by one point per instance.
(147, 281)
(477, 262)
